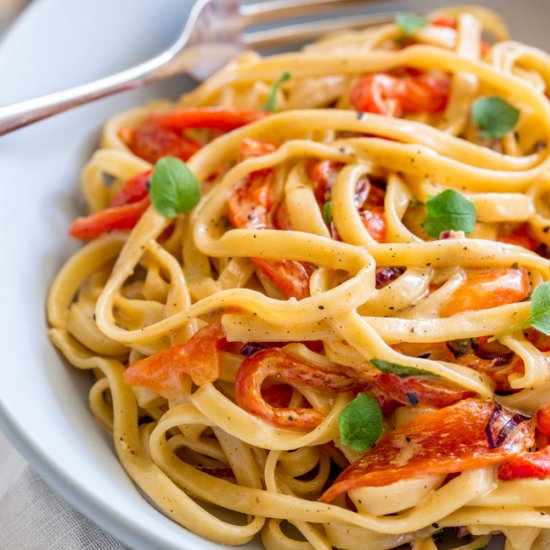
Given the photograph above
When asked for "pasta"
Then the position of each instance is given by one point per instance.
(365, 266)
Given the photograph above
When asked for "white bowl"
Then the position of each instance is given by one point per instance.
(43, 402)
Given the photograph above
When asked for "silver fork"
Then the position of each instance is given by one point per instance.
(212, 35)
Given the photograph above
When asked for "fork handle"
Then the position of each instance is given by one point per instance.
(23, 113)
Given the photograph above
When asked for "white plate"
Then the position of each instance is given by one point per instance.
(43, 404)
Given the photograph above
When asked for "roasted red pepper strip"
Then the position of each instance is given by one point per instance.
(294, 371)
(375, 223)
(277, 395)
(393, 96)
(412, 390)
(488, 288)
(528, 465)
(322, 174)
(446, 441)
(543, 420)
(521, 236)
(133, 190)
(389, 389)
(540, 340)
(289, 276)
(374, 196)
(250, 148)
(160, 135)
(126, 208)
(152, 142)
(110, 219)
(250, 206)
(250, 202)
(198, 358)
(219, 118)
(281, 217)
(369, 199)
(444, 21)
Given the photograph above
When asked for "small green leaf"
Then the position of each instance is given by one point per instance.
(449, 210)
(327, 212)
(271, 103)
(540, 308)
(400, 370)
(174, 188)
(410, 23)
(539, 317)
(361, 423)
(494, 116)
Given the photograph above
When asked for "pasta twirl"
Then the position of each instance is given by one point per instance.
(378, 235)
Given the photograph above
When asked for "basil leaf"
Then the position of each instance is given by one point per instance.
(327, 212)
(361, 423)
(271, 103)
(400, 370)
(449, 210)
(410, 23)
(174, 188)
(540, 308)
(494, 116)
(539, 317)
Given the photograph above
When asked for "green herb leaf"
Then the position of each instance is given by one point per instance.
(271, 103)
(494, 116)
(361, 423)
(174, 188)
(400, 370)
(540, 308)
(540, 313)
(327, 212)
(449, 210)
(410, 23)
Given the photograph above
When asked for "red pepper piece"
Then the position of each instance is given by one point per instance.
(152, 142)
(110, 219)
(442, 442)
(133, 190)
(543, 420)
(218, 118)
(488, 288)
(521, 236)
(528, 465)
(251, 206)
(293, 371)
(393, 96)
(198, 358)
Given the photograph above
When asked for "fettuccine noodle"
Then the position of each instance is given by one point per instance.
(338, 277)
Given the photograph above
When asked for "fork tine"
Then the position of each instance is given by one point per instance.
(302, 32)
(274, 10)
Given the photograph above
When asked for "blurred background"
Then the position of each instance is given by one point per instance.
(9, 9)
